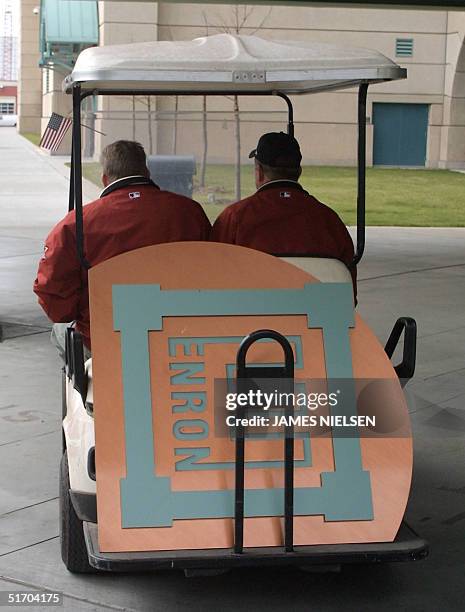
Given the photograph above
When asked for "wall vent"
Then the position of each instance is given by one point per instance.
(404, 47)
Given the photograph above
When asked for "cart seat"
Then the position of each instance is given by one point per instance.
(324, 269)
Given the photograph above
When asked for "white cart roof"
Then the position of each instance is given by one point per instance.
(232, 63)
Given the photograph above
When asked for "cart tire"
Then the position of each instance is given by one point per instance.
(73, 546)
(64, 408)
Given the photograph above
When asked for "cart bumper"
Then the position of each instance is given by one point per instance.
(407, 546)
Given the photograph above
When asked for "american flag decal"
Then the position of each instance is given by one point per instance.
(55, 132)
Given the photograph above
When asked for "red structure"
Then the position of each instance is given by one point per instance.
(8, 96)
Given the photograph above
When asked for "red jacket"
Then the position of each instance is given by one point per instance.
(282, 218)
(122, 219)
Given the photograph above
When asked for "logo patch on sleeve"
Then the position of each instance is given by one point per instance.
(134, 194)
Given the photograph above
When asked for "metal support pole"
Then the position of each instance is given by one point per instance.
(290, 110)
(71, 181)
(286, 373)
(361, 169)
(239, 484)
(77, 175)
(289, 468)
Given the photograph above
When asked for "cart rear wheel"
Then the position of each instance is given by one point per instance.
(64, 408)
(73, 546)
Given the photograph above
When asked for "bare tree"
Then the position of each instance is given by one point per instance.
(237, 135)
(174, 142)
(240, 15)
(203, 165)
(134, 117)
(147, 103)
(175, 124)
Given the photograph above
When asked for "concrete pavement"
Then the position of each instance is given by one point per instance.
(415, 272)
(33, 196)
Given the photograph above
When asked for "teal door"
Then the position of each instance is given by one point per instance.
(400, 133)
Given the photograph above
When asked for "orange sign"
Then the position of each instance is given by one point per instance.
(166, 323)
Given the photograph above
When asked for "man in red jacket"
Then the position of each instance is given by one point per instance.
(131, 212)
(281, 217)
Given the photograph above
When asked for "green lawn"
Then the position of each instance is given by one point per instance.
(422, 198)
(32, 137)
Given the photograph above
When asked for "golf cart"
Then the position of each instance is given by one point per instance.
(150, 479)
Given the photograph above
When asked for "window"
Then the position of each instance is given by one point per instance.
(7, 108)
(404, 47)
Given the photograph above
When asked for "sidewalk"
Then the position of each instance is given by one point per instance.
(33, 197)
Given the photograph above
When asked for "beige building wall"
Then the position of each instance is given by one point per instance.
(452, 132)
(30, 77)
(127, 116)
(325, 123)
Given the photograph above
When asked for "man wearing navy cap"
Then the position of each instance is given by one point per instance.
(281, 217)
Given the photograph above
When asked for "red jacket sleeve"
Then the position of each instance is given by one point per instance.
(58, 284)
(224, 228)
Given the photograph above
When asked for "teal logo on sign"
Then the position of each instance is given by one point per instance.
(148, 500)
(193, 403)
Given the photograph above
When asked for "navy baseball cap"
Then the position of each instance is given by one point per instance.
(278, 150)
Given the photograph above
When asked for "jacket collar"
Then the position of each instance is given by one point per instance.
(126, 181)
(281, 183)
